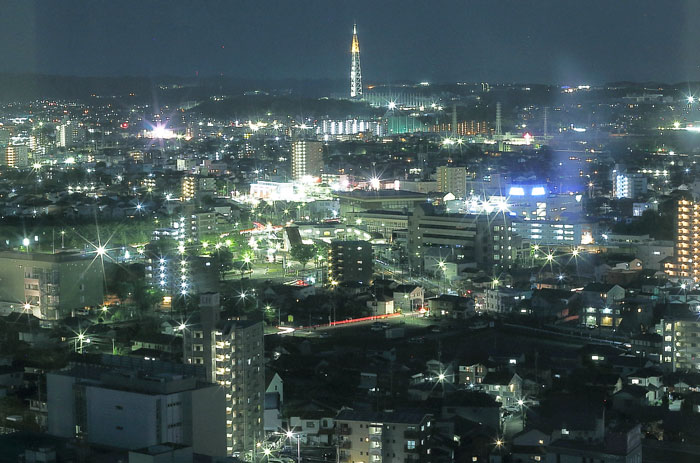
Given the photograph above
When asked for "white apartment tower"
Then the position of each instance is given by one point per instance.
(232, 353)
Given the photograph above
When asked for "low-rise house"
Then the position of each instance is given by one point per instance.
(449, 305)
(632, 398)
(315, 428)
(506, 387)
(408, 298)
(381, 305)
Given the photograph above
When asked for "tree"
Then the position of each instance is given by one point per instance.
(303, 253)
(222, 259)
(145, 298)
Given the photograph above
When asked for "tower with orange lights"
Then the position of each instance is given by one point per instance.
(355, 70)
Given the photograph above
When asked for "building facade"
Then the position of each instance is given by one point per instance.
(350, 261)
(135, 405)
(307, 159)
(483, 240)
(452, 180)
(681, 342)
(232, 353)
(49, 286)
(376, 437)
(688, 240)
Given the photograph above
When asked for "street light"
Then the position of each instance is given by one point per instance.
(521, 404)
(290, 435)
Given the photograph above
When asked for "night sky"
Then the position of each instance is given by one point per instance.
(539, 41)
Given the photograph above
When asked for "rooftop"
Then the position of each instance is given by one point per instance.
(406, 416)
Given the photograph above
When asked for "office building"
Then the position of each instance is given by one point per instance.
(452, 180)
(49, 286)
(384, 222)
(132, 404)
(379, 200)
(366, 436)
(307, 159)
(553, 233)
(350, 261)
(477, 240)
(232, 353)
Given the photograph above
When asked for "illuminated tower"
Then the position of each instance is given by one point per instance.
(355, 70)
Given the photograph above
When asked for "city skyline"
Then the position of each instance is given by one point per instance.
(547, 42)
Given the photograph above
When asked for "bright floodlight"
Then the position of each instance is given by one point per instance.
(160, 131)
(520, 402)
(267, 452)
(36, 165)
(691, 99)
(290, 434)
(574, 252)
(25, 242)
(246, 259)
(441, 377)
(392, 105)
(27, 306)
(139, 206)
(374, 183)
(100, 250)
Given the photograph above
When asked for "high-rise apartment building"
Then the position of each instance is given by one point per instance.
(688, 240)
(49, 286)
(307, 159)
(16, 156)
(232, 353)
(70, 134)
(452, 180)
